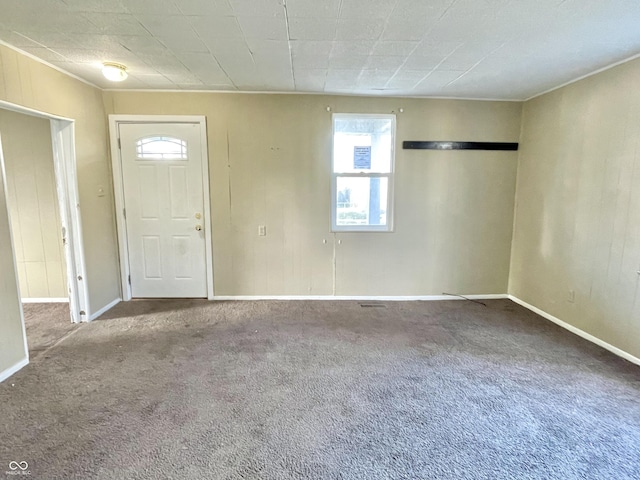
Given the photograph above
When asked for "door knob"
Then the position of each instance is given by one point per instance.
(198, 227)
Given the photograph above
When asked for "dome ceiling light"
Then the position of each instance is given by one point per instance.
(114, 72)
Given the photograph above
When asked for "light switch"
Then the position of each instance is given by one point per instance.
(262, 230)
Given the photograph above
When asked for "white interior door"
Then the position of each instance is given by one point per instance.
(164, 208)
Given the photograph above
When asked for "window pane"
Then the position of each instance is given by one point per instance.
(362, 144)
(361, 201)
(161, 148)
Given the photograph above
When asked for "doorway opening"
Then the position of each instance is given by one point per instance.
(37, 162)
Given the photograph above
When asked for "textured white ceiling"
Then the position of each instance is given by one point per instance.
(502, 49)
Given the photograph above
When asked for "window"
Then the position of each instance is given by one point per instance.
(362, 170)
(161, 148)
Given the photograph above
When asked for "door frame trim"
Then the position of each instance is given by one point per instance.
(66, 175)
(118, 188)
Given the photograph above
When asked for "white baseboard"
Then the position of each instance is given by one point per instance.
(376, 298)
(104, 309)
(45, 300)
(11, 370)
(577, 331)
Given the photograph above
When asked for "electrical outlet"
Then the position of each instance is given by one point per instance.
(262, 230)
(572, 296)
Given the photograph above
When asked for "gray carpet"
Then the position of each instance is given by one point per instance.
(323, 390)
(46, 324)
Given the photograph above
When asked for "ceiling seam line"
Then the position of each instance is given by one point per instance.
(436, 67)
(212, 56)
(476, 64)
(411, 53)
(286, 20)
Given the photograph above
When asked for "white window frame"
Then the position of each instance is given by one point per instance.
(389, 176)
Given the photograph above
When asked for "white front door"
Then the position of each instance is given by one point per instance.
(164, 208)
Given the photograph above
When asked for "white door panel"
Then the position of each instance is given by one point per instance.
(164, 202)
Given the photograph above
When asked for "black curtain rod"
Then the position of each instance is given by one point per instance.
(419, 145)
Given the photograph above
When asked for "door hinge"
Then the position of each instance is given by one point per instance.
(129, 279)
(119, 144)
(124, 213)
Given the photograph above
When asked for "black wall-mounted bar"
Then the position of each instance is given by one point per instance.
(416, 145)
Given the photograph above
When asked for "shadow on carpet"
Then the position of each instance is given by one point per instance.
(46, 323)
(324, 390)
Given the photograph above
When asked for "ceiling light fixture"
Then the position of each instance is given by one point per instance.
(114, 72)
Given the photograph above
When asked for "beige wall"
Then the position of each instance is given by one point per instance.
(577, 218)
(577, 222)
(31, 84)
(270, 165)
(28, 83)
(33, 205)
(12, 346)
